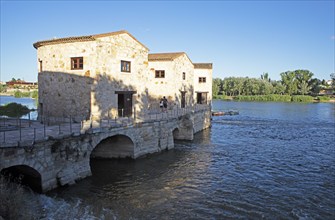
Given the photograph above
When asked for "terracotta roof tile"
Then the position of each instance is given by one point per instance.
(164, 56)
(82, 39)
(203, 65)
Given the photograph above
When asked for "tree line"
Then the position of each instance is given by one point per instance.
(297, 82)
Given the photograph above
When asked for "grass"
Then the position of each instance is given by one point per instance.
(275, 98)
(302, 98)
(32, 94)
(323, 98)
(264, 98)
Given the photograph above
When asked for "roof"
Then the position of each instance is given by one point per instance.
(83, 39)
(203, 65)
(166, 56)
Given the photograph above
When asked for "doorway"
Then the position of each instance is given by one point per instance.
(125, 103)
(201, 97)
(183, 99)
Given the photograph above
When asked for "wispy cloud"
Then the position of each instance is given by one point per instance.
(332, 37)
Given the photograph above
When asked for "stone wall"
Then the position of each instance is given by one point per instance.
(202, 120)
(173, 83)
(93, 88)
(203, 87)
(67, 159)
(109, 78)
(60, 96)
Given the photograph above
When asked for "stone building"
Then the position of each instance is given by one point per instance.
(203, 82)
(172, 75)
(112, 75)
(100, 75)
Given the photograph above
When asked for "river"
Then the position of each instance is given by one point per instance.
(29, 102)
(272, 161)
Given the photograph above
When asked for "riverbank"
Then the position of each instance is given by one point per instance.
(21, 93)
(278, 98)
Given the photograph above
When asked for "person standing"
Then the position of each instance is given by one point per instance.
(165, 103)
(161, 104)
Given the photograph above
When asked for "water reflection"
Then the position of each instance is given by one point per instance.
(29, 102)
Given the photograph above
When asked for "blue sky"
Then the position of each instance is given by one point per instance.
(240, 38)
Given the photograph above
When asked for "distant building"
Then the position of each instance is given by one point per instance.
(20, 84)
(327, 91)
(112, 75)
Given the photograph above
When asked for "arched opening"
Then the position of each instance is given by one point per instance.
(118, 146)
(24, 175)
(175, 133)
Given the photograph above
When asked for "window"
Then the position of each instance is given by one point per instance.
(184, 75)
(202, 79)
(41, 65)
(160, 74)
(125, 66)
(77, 63)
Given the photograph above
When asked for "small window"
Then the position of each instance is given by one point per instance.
(77, 63)
(184, 75)
(160, 74)
(125, 66)
(202, 79)
(41, 65)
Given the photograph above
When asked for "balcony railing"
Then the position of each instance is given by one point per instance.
(25, 132)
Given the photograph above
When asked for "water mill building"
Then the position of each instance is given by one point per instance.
(114, 75)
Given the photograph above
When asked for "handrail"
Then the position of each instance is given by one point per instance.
(21, 132)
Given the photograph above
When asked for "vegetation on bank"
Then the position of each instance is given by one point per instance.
(13, 203)
(294, 86)
(265, 98)
(14, 110)
(31, 94)
(282, 98)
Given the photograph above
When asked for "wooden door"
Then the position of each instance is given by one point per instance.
(183, 99)
(125, 104)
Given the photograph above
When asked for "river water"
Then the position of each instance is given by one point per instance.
(272, 161)
(29, 102)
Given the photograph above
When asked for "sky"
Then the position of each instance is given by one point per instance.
(240, 38)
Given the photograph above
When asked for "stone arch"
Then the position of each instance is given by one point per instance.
(25, 175)
(115, 146)
(175, 133)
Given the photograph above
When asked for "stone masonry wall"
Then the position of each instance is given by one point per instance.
(100, 77)
(109, 78)
(65, 160)
(172, 85)
(203, 87)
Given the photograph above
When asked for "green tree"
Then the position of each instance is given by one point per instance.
(239, 85)
(265, 77)
(216, 86)
(332, 76)
(3, 88)
(315, 86)
(278, 87)
(289, 81)
(302, 79)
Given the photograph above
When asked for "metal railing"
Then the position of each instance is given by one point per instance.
(23, 132)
